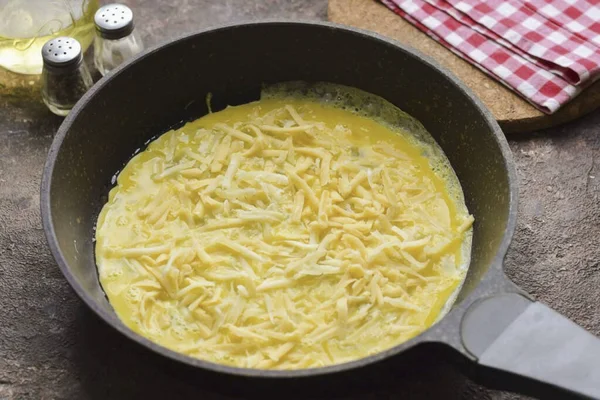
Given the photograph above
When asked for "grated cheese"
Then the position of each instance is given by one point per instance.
(272, 236)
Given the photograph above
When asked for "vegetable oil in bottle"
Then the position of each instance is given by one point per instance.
(25, 25)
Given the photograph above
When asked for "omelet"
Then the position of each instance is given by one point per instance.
(286, 233)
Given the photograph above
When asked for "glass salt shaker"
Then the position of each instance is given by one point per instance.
(65, 77)
(116, 40)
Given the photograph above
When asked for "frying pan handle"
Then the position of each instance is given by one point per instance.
(531, 347)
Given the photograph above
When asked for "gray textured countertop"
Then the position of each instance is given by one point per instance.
(52, 347)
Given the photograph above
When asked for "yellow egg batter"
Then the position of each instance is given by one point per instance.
(284, 233)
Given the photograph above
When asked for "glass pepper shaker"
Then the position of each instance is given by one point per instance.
(116, 40)
(65, 77)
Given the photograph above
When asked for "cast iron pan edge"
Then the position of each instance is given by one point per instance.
(492, 282)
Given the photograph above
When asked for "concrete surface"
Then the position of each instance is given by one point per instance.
(52, 347)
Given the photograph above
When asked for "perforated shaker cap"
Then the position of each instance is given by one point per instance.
(114, 21)
(61, 52)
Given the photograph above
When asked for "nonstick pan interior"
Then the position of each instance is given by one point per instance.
(167, 86)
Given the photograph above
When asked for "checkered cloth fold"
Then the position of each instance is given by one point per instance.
(547, 51)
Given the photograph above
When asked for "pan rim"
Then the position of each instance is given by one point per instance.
(112, 320)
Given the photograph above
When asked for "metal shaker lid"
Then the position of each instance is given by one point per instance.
(114, 21)
(62, 51)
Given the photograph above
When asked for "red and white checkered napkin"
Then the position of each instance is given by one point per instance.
(545, 50)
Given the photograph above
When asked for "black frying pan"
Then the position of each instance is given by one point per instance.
(494, 331)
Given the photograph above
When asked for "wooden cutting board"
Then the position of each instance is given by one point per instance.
(513, 113)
